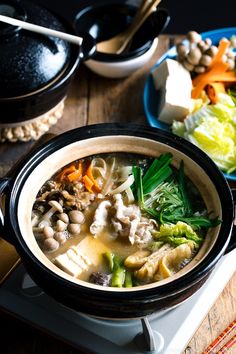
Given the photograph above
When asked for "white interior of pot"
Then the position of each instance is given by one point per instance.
(107, 144)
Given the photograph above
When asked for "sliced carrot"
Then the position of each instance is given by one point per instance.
(67, 170)
(222, 47)
(75, 175)
(223, 77)
(89, 173)
(88, 183)
(218, 68)
(218, 73)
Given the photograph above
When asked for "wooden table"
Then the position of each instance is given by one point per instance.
(93, 99)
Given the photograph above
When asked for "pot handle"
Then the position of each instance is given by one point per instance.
(232, 242)
(4, 184)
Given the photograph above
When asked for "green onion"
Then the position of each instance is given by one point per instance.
(137, 173)
(163, 160)
(157, 173)
(109, 257)
(118, 274)
(128, 279)
(195, 221)
(183, 190)
(165, 196)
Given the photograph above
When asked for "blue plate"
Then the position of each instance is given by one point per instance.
(150, 95)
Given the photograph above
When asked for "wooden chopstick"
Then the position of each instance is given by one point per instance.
(220, 338)
(228, 345)
(42, 30)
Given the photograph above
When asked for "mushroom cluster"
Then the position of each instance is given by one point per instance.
(55, 226)
(196, 54)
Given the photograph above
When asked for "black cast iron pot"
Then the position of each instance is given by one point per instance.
(35, 70)
(19, 190)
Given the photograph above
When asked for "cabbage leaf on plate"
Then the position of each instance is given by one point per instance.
(213, 129)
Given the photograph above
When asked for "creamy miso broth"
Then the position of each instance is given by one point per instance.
(120, 219)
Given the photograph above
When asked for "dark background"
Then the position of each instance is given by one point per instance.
(200, 15)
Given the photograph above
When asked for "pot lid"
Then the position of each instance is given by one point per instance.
(31, 61)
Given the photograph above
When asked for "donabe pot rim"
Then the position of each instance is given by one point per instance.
(99, 130)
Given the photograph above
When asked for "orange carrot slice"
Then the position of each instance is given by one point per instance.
(89, 173)
(67, 170)
(75, 176)
(223, 46)
(88, 183)
(217, 71)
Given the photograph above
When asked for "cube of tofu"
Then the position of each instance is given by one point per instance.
(174, 85)
(77, 259)
(72, 262)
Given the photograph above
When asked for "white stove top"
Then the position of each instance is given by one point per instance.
(166, 333)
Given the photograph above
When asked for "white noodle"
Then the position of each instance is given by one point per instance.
(122, 187)
(108, 184)
(124, 172)
(130, 195)
(99, 167)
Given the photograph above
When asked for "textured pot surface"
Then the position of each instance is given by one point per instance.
(30, 60)
(105, 138)
(35, 68)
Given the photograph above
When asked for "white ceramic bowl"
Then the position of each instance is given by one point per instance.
(104, 21)
(124, 67)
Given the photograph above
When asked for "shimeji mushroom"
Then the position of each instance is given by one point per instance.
(35, 218)
(46, 218)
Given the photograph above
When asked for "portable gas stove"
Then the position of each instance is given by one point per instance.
(164, 333)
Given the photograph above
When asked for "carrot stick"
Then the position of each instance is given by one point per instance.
(67, 170)
(218, 68)
(89, 173)
(196, 91)
(88, 183)
(75, 176)
(223, 46)
(217, 71)
(217, 74)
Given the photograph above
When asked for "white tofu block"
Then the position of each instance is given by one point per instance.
(174, 84)
(69, 263)
(77, 259)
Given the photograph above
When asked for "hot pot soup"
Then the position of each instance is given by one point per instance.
(120, 220)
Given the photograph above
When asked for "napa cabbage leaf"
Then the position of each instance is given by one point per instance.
(213, 129)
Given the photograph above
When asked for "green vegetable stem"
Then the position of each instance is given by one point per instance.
(128, 279)
(109, 257)
(164, 195)
(118, 274)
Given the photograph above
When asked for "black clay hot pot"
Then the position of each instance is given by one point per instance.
(35, 70)
(21, 186)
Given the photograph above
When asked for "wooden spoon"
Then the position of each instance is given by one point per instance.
(42, 30)
(117, 44)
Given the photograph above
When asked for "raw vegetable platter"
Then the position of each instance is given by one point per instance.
(150, 95)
